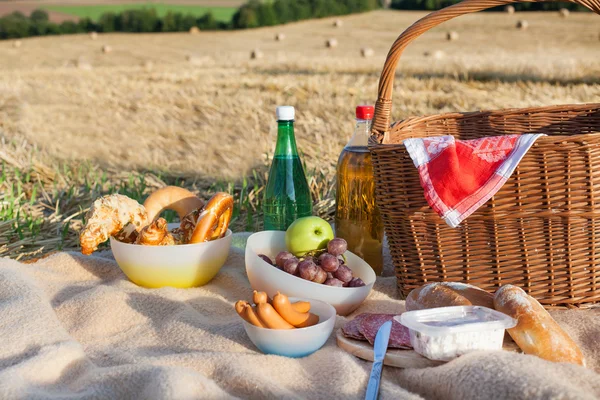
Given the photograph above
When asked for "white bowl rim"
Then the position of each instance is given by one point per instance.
(320, 284)
(188, 245)
(331, 308)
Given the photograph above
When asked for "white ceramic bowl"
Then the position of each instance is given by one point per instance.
(180, 266)
(267, 278)
(299, 342)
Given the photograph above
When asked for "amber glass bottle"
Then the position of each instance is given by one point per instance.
(357, 218)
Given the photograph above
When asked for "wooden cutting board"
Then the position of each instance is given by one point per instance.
(396, 357)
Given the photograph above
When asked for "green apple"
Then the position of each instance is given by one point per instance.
(307, 234)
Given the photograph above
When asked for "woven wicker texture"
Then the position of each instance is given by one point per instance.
(541, 231)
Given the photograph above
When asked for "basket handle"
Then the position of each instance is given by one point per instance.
(383, 106)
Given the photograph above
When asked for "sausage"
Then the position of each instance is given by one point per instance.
(260, 297)
(282, 304)
(271, 318)
(240, 307)
(252, 317)
(301, 306)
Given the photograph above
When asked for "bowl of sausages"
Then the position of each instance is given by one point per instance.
(286, 326)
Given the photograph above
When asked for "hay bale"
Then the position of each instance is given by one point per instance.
(147, 64)
(106, 49)
(279, 37)
(82, 63)
(522, 25)
(452, 36)
(563, 12)
(338, 23)
(256, 54)
(17, 44)
(509, 9)
(331, 43)
(438, 54)
(366, 52)
(93, 35)
(194, 30)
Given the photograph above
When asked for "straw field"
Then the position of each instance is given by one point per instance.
(195, 110)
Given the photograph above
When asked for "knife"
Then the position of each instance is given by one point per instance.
(379, 348)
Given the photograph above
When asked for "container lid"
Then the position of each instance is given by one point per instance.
(449, 320)
(365, 112)
(285, 113)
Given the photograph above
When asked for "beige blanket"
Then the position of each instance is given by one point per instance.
(74, 327)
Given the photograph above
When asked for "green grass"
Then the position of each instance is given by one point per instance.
(94, 12)
(42, 207)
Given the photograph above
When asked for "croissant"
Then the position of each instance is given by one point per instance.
(107, 217)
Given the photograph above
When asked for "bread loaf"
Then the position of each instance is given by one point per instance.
(446, 294)
(536, 331)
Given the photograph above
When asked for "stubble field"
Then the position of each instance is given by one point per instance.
(195, 110)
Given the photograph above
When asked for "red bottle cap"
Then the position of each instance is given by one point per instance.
(364, 112)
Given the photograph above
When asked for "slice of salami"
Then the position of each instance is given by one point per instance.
(399, 336)
(350, 330)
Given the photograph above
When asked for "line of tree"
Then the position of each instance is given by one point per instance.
(250, 15)
(257, 13)
(17, 25)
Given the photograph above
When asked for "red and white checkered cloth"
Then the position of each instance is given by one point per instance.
(459, 176)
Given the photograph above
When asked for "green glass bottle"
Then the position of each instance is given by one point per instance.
(287, 196)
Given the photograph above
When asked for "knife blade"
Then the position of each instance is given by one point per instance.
(379, 349)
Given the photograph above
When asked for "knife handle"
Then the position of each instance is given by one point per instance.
(374, 379)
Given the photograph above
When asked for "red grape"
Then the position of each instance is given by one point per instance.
(307, 269)
(356, 282)
(337, 246)
(267, 259)
(329, 262)
(343, 273)
(334, 282)
(282, 257)
(291, 266)
(321, 276)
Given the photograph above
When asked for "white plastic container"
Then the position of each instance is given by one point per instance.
(448, 332)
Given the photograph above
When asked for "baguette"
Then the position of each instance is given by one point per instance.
(536, 331)
(446, 294)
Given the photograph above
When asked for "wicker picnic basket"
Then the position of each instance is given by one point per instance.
(541, 231)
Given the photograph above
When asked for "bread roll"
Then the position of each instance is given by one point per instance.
(446, 294)
(536, 331)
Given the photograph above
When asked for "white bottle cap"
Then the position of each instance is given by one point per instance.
(285, 113)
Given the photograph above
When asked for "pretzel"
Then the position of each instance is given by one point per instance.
(214, 218)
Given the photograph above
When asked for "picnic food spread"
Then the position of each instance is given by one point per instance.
(130, 222)
(442, 321)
